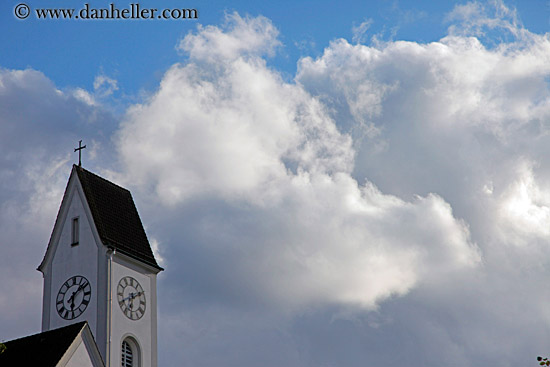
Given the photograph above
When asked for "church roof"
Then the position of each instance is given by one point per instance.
(45, 349)
(116, 217)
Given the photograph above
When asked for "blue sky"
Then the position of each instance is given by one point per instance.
(361, 184)
(137, 53)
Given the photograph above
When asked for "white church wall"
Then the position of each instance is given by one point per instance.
(70, 260)
(142, 330)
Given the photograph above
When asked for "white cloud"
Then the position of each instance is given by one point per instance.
(228, 135)
(237, 38)
(466, 121)
(232, 133)
(477, 18)
(391, 203)
(525, 208)
(440, 131)
(84, 96)
(39, 127)
(359, 32)
(104, 86)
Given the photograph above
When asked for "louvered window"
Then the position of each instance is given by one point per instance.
(127, 355)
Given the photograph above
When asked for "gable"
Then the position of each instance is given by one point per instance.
(53, 348)
(72, 205)
(79, 358)
(82, 352)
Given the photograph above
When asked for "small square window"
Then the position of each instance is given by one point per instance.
(75, 232)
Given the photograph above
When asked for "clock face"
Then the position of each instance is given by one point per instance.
(131, 298)
(73, 297)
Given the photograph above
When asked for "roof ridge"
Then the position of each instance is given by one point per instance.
(51, 331)
(101, 178)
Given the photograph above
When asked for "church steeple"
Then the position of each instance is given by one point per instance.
(99, 267)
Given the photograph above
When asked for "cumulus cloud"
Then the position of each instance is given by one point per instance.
(451, 117)
(467, 121)
(400, 177)
(525, 208)
(231, 134)
(39, 126)
(391, 202)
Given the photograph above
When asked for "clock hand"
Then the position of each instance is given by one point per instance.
(80, 288)
(133, 295)
(130, 300)
(71, 298)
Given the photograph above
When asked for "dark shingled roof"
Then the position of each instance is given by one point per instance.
(44, 349)
(116, 217)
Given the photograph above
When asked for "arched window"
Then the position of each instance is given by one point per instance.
(130, 353)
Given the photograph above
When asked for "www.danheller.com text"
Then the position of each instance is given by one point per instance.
(133, 11)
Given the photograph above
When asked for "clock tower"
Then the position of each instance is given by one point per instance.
(99, 268)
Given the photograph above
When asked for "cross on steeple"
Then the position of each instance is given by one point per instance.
(79, 149)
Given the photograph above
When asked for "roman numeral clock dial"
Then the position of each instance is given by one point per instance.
(131, 298)
(73, 297)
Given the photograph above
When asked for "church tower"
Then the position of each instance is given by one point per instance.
(99, 268)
